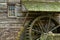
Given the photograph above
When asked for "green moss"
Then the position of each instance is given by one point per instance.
(46, 37)
(41, 6)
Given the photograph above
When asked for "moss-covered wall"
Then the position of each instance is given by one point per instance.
(42, 0)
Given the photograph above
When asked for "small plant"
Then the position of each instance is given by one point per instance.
(46, 37)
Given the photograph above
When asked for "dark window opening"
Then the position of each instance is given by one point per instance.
(11, 10)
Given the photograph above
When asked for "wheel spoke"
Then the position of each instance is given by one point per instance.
(42, 27)
(55, 27)
(36, 30)
(45, 27)
(52, 25)
(38, 27)
(49, 21)
(35, 27)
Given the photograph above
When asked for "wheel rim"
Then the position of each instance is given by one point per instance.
(42, 25)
